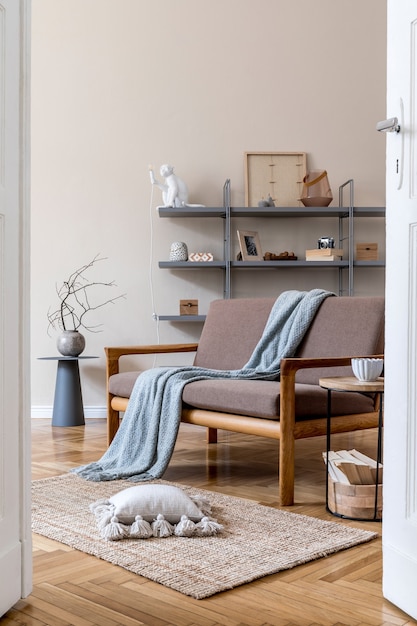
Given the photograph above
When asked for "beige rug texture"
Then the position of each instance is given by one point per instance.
(256, 541)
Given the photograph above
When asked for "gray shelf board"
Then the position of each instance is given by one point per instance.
(192, 212)
(182, 318)
(192, 265)
(299, 211)
(286, 264)
(369, 263)
(368, 211)
(296, 211)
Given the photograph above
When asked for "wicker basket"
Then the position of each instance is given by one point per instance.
(356, 501)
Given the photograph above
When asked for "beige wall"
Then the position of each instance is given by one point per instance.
(119, 85)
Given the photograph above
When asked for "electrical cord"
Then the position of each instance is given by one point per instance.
(151, 284)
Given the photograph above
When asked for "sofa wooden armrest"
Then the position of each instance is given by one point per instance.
(113, 356)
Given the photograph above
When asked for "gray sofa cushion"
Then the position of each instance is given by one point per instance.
(344, 326)
(230, 333)
(257, 398)
(122, 384)
(260, 398)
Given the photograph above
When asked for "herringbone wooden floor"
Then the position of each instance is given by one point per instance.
(72, 588)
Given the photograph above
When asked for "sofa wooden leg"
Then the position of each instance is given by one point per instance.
(211, 435)
(286, 474)
(112, 424)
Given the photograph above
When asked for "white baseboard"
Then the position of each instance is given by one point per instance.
(44, 412)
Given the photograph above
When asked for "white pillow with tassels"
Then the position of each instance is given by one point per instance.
(145, 511)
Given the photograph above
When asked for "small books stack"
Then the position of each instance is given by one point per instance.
(350, 467)
(324, 254)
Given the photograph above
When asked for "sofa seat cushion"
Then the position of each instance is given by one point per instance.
(256, 398)
(122, 384)
(260, 398)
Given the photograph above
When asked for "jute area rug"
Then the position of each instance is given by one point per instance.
(256, 541)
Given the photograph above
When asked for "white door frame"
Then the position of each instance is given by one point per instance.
(15, 448)
(400, 424)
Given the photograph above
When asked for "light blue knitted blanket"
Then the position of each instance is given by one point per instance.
(144, 443)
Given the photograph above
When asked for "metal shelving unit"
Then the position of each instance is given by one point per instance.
(345, 213)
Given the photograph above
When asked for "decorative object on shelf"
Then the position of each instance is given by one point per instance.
(324, 254)
(316, 189)
(200, 257)
(367, 370)
(283, 256)
(75, 297)
(268, 202)
(325, 242)
(367, 252)
(178, 251)
(250, 245)
(174, 190)
(188, 307)
(275, 175)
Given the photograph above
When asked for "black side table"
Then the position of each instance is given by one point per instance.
(352, 384)
(68, 402)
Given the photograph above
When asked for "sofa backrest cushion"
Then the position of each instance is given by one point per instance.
(343, 326)
(231, 331)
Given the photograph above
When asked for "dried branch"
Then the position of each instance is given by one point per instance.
(75, 300)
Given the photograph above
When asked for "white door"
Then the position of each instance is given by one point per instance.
(15, 543)
(400, 431)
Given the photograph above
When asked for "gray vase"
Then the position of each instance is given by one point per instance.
(70, 343)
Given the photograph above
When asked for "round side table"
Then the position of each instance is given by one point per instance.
(68, 402)
(352, 384)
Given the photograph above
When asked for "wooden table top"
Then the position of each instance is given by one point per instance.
(350, 383)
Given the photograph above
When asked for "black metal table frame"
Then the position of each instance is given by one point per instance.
(375, 518)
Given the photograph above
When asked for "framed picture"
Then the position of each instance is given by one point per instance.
(250, 246)
(275, 175)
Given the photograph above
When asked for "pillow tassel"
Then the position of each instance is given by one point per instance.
(202, 504)
(185, 527)
(103, 511)
(161, 528)
(208, 527)
(114, 530)
(140, 529)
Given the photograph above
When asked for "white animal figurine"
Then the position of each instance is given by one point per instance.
(174, 190)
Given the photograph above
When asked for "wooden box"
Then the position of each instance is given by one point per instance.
(357, 501)
(324, 254)
(188, 307)
(367, 252)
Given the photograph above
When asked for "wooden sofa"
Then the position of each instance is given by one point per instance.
(292, 408)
